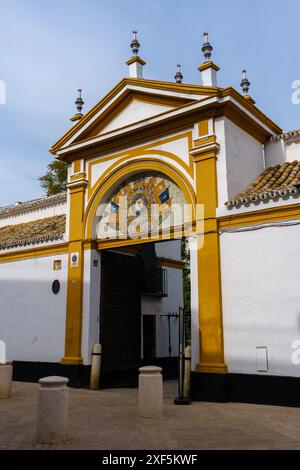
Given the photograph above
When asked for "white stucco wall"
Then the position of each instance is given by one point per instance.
(194, 286)
(163, 306)
(221, 162)
(240, 159)
(293, 151)
(261, 298)
(34, 214)
(32, 318)
(275, 153)
(169, 249)
(178, 147)
(282, 151)
(91, 303)
(135, 111)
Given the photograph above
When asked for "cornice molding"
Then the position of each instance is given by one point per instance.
(224, 102)
(141, 85)
(208, 65)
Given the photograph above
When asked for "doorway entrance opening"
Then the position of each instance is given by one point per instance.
(142, 288)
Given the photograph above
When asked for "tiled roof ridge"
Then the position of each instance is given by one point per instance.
(33, 204)
(285, 135)
(31, 241)
(277, 181)
(57, 222)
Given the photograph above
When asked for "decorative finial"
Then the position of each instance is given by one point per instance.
(79, 102)
(135, 45)
(178, 76)
(135, 63)
(206, 48)
(245, 84)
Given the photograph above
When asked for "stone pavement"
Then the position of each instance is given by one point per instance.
(107, 419)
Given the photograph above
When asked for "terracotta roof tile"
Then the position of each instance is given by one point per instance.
(278, 181)
(36, 231)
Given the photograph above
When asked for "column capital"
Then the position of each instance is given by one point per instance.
(78, 181)
(206, 151)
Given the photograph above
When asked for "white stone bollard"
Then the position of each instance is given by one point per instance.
(150, 392)
(52, 413)
(95, 367)
(6, 371)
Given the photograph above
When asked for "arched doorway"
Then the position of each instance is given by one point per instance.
(140, 226)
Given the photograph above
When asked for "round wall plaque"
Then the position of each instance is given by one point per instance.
(55, 287)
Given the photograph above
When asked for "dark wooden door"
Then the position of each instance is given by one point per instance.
(120, 318)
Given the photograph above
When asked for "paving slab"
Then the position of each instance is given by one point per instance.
(108, 419)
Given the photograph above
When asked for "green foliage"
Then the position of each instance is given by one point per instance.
(55, 179)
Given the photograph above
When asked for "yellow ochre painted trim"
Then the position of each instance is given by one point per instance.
(165, 262)
(90, 245)
(272, 214)
(249, 98)
(96, 129)
(171, 263)
(142, 155)
(151, 84)
(203, 127)
(210, 91)
(76, 117)
(204, 141)
(76, 166)
(208, 65)
(212, 368)
(71, 360)
(78, 176)
(38, 252)
(120, 243)
(205, 153)
(157, 128)
(209, 273)
(143, 150)
(156, 236)
(172, 123)
(229, 91)
(75, 277)
(135, 59)
(132, 167)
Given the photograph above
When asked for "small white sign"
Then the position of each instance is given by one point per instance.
(262, 359)
(74, 260)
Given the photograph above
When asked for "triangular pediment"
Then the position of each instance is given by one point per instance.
(136, 110)
(132, 107)
(131, 101)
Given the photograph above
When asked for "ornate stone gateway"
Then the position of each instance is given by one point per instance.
(142, 156)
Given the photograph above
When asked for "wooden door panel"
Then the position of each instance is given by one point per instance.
(120, 314)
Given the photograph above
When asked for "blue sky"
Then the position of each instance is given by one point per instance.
(50, 48)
